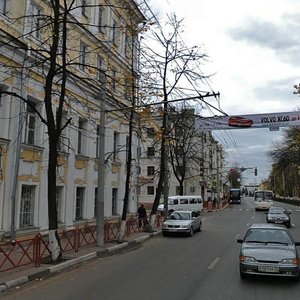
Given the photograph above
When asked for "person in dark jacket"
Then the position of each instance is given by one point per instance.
(142, 216)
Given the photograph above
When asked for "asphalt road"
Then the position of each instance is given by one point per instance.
(201, 267)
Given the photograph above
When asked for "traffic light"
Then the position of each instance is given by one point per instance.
(255, 171)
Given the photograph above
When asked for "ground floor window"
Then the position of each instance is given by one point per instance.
(27, 205)
(79, 203)
(114, 201)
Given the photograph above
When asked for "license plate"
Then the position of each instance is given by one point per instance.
(268, 269)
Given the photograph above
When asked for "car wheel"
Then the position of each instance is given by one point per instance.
(164, 233)
(288, 225)
(200, 227)
(191, 233)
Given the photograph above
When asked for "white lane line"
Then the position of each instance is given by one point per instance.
(213, 264)
(248, 224)
(237, 236)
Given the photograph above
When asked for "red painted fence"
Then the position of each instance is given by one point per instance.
(35, 250)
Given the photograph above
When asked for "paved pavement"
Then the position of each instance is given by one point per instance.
(18, 276)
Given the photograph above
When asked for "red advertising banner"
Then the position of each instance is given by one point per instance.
(271, 120)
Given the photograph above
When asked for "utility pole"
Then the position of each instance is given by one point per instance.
(101, 169)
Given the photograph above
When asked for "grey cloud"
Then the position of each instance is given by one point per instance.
(278, 90)
(281, 37)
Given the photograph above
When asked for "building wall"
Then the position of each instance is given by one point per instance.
(76, 172)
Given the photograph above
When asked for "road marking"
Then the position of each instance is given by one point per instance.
(213, 264)
(237, 236)
(248, 224)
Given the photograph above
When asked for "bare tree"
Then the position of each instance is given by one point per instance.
(167, 63)
(56, 61)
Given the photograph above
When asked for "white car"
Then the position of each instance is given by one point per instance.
(182, 221)
(263, 199)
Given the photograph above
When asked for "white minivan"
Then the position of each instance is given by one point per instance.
(263, 199)
(188, 202)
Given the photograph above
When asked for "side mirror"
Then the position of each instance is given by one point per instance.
(297, 243)
(239, 241)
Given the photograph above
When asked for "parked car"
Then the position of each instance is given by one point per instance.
(182, 221)
(268, 249)
(263, 199)
(187, 202)
(278, 215)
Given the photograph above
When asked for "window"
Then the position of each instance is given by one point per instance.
(83, 7)
(116, 145)
(115, 32)
(35, 20)
(127, 89)
(128, 46)
(150, 132)
(95, 203)
(79, 203)
(30, 123)
(97, 141)
(59, 193)
(184, 201)
(150, 171)
(150, 151)
(81, 136)
(100, 19)
(4, 6)
(100, 64)
(113, 79)
(83, 56)
(114, 201)
(138, 152)
(62, 142)
(27, 205)
(150, 190)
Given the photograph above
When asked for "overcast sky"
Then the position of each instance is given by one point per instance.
(254, 51)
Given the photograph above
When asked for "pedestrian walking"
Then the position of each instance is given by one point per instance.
(142, 216)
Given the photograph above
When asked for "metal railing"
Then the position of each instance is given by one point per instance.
(35, 250)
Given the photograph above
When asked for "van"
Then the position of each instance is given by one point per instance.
(263, 199)
(235, 196)
(189, 202)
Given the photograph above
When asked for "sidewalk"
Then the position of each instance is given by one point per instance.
(18, 276)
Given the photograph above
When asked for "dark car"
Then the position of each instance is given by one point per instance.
(268, 249)
(278, 215)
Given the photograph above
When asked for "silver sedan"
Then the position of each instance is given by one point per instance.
(181, 221)
(268, 249)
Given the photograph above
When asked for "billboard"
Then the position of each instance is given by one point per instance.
(271, 120)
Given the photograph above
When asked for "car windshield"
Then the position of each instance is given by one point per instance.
(180, 216)
(266, 235)
(277, 211)
(263, 196)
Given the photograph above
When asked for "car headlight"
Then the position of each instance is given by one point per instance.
(285, 218)
(247, 259)
(184, 226)
(290, 261)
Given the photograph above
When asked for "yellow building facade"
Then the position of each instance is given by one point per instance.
(101, 41)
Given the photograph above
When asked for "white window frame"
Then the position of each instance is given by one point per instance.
(27, 205)
(81, 136)
(31, 121)
(35, 20)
